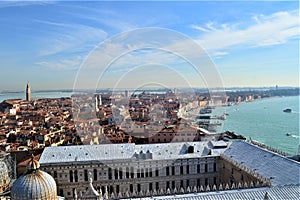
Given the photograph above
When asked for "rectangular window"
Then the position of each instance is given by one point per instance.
(76, 176)
(116, 174)
(167, 171)
(131, 172)
(95, 175)
(142, 173)
(156, 172)
(198, 168)
(188, 169)
(61, 192)
(109, 174)
(173, 184)
(146, 174)
(131, 188)
(157, 186)
(138, 173)
(215, 167)
(139, 187)
(55, 174)
(181, 169)
(86, 175)
(173, 170)
(206, 167)
(120, 173)
(150, 186)
(71, 176)
(127, 172)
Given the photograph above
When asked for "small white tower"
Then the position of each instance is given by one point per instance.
(96, 103)
(100, 100)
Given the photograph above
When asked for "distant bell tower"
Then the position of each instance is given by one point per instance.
(28, 92)
(96, 103)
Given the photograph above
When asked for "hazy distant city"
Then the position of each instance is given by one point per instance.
(149, 100)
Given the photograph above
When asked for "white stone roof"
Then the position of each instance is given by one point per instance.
(273, 193)
(278, 169)
(104, 152)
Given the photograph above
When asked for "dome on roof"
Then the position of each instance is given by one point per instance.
(4, 176)
(35, 184)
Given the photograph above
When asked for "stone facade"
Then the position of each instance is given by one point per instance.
(129, 170)
(135, 177)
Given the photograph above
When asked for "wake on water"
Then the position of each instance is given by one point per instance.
(295, 136)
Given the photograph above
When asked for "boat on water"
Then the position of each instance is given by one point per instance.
(288, 110)
(288, 134)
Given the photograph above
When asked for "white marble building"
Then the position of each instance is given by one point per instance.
(129, 170)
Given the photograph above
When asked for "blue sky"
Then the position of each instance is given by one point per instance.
(250, 43)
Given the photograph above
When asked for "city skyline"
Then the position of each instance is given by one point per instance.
(251, 44)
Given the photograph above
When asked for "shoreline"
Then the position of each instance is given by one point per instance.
(255, 100)
(254, 127)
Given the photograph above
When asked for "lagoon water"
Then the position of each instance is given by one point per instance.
(265, 121)
(262, 120)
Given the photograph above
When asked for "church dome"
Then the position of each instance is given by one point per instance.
(35, 184)
(4, 176)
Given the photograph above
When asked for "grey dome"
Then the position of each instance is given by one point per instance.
(35, 184)
(4, 176)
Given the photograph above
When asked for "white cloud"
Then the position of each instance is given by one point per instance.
(219, 54)
(63, 38)
(200, 28)
(13, 3)
(65, 64)
(273, 29)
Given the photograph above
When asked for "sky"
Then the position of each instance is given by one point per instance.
(76, 44)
